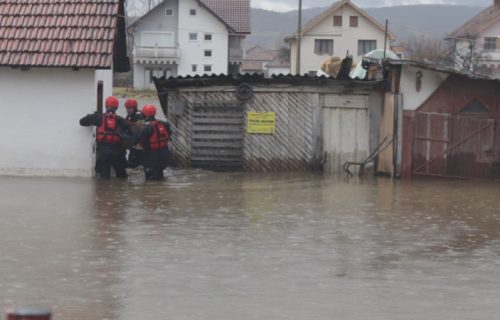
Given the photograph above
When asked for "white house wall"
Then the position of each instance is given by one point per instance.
(276, 71)
(491, 32)
(431, 80)
(41, 109)
(158, 21)
(192, 52)
(345, 39)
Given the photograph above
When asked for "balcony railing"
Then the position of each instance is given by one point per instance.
(236, 55)
(157, 52)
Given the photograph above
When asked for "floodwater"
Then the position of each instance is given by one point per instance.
(205, 245)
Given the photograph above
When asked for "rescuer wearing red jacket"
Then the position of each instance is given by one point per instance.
(154, 137)
(110, 133)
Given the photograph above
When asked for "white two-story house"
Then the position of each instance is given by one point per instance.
(342, 29)
(476, 44)
(189, 37)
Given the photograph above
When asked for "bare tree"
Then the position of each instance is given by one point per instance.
(140, 7)
(467, 56)
(426, 49)
(284, 53)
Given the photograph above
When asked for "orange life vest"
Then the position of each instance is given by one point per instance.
(108, 130)
(159, 139)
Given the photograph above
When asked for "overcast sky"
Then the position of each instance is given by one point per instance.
(286, 5)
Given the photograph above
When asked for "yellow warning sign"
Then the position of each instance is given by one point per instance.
(261, 122)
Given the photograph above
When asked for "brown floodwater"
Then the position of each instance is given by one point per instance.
(206, 245)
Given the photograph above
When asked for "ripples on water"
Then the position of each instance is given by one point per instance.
(206, 245)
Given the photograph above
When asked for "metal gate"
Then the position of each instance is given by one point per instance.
(460, 146)
(217, 133)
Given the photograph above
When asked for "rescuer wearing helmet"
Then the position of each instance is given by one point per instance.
(154, 137)
(111, 129)
(133, 114)
(135, 119)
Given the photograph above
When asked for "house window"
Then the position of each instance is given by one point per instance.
(323, 46)
(194, 67)
(151, 75)
(169, 12)
(208, 53)
(353, 21)
(365, 46)
(490, 44)
(193, 36)
(337, 21)
(192, 12)
(208, 37)
(207, 68)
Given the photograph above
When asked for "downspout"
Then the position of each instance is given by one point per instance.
(397, 126)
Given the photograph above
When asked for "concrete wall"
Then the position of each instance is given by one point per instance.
(192, 51)
(40, 110)
(431, 80)
(344, 39)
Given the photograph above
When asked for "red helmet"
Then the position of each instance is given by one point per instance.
(131, 103)
(149, 110)
(112, 102)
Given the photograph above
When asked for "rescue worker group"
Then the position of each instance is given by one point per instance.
(138, 139)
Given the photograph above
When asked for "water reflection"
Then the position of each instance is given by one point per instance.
(208, 245)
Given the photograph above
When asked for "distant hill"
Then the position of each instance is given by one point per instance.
(269, 28)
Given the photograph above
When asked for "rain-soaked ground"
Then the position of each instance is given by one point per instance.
(232, 246)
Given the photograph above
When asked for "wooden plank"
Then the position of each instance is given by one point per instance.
(216, 159)
(218, 121)
(231, 106)
(222, 128)
(217, 152)
(217, 136)
(217, 144)
(232, 115)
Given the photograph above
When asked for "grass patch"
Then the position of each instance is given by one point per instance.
(123, 92)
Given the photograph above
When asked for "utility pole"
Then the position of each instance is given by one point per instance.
(386, 36)
(299, 35)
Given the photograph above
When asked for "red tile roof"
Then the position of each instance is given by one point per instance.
(57, 33)
(477, 24)
(234, 13)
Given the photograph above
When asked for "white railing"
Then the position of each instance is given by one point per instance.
(157, 52)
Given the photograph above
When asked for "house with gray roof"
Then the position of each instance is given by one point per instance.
(476, 44)
(189, 38)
